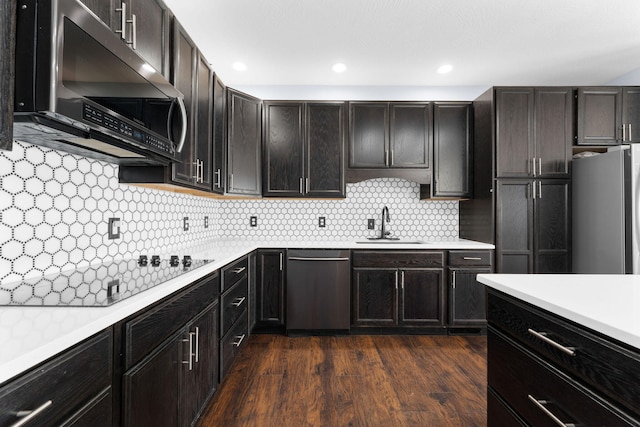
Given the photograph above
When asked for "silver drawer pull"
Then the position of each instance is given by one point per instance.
(238, 302)
(540, 404)
(472, 258)
(29, 415)
(240, 338)
(239, 270)
(571, 351)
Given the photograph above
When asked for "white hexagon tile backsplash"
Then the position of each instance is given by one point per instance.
(54, 209)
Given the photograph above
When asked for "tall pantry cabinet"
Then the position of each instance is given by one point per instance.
(523, 145)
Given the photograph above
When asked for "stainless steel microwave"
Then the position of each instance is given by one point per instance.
(79, 88)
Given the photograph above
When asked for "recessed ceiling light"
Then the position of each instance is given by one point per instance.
(239, 66)
(339, 67)
(444, 69)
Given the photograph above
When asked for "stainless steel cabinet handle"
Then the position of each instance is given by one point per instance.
(238, 301)
(134, 29)
(402, 280)
(123, 20)
(27, 416)
(239, 270)
(218, 176)
(240, 338)
(539, 165)
(391, 162)
(386, 157)
(539, 189)
(197, 344)
(540, 404)
(307, 180)
(533, 190)
(190, 340)
(533, 166)
(396, 280)
(630, 134)
(301, 190)
(453, 279)
(281, 261)
(623, 134)
(472, 258)
(571, 351)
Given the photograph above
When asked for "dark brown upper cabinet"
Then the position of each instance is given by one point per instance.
(7, 62)
(303, 146)
(219, 135)
(193, 77)
(534, 132)
(142, 24)
(608, 115)
(243, 151)
(389, 135)
(452, 150)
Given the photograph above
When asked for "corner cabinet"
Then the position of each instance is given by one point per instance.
(544, 370)
(244, 135)
(398, 289)
(303, 149)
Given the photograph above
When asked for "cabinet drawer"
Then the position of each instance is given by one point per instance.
(62, 388)
(469, 258)
(605, 366)
(232, 343)
(148, 330)
(499, 414)
(233, 303)
(232, 273)
(398, 259)
(532, 387)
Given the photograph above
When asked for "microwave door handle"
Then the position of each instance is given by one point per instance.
(183, 132)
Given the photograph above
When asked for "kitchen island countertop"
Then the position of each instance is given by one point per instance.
(31, 335)
(608, 304)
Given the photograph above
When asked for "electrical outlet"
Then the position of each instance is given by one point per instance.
(185, 223)
(206, 222)
(371, 224)
(321, 222)
(113, 231)
(253, 221)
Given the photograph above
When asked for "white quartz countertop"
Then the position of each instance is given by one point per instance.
(31, 335)
(609, 304)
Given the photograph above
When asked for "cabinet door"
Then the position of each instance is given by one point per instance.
(375, 297)
(554, 131)
(452, 149)
(514, 226)
(410, 135)
(514, 132)
(271, 287)
(599, 116)
(150, 389)
(369, 135)
(244, 133)
(283, 149)
(104, 9)
(199, 378)
(219, 135)
(553, 227)
(325, 132)
(467, 298)
(421, 301)
(184, 66)
(631, 114)
(203, 155)
(151, 39)
(7, 70)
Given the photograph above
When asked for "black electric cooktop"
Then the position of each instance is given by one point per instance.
(97, 285)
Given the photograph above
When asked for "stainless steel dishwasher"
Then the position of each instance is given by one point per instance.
(318, 291)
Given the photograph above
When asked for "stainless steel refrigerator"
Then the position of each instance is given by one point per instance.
(606, 226)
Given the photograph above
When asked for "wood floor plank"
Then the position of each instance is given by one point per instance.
(355, 380)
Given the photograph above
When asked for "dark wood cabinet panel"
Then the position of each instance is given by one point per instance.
(202, 127)
(219, 135)
(514, 230)
(514, 132)
(325, 134)
(467, 301)
(7, 71)
(631, 114)
(369, 135)
(104, 9)
(599, 116)
(271, 288)
(253, 289)
(375, 297)
(452, 150)
(553, 131)
(152, 35)
(283, 149)
(553, 222)
(421, 298)
(244, 135)
(410, 133)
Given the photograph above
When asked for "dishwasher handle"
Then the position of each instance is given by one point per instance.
(295, 258)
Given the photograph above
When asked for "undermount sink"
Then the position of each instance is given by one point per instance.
(392, 240)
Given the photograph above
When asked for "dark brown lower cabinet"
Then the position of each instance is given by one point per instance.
(398, 289)
(270, 288)
(466, 297)
(73, 388)
(533, 226)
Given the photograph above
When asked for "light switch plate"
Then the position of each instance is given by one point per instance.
(185, 223)
(113, 228)
(253, 221)
(206, 222)
(371, 224)
(322, 222)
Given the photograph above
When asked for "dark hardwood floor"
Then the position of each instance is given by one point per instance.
(357, 380)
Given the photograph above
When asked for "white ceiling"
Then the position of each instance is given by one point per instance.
(393, 43)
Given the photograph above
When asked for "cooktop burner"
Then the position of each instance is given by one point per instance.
(97, 285)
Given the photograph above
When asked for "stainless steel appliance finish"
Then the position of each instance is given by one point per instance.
(80, 89)
(318, 290)
(606, 226)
